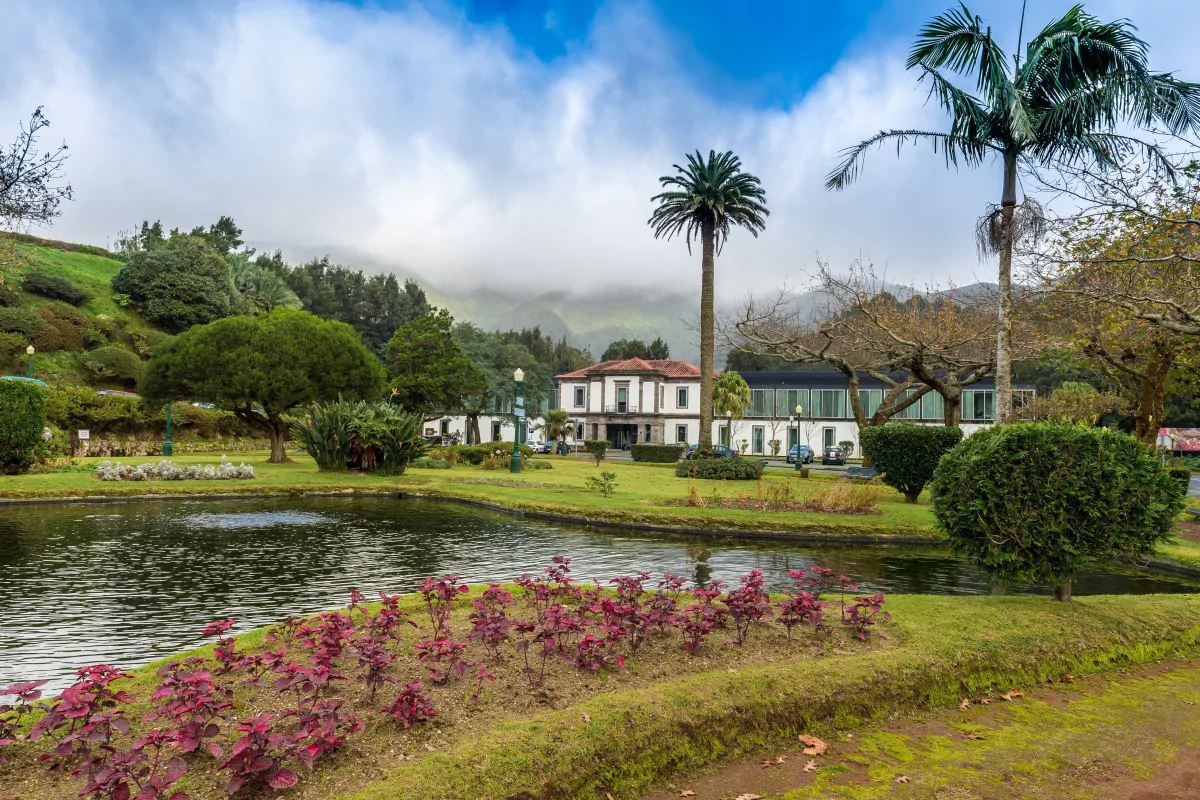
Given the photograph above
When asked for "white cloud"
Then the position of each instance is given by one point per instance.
(441, 148)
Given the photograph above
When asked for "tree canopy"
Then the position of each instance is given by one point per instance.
(30, 178)
(262, 367)
(180, 282)
(622, 349)
(430, 373)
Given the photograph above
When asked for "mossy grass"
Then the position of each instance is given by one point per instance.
(641, 493)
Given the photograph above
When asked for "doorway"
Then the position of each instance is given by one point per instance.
(829, 437)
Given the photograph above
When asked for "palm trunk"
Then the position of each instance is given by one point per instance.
(1008, 204)
(707, 336)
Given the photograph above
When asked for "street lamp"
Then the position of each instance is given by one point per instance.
(168, 448)
(29, 351)
(799, 458)
(518, 421)
(729, 429)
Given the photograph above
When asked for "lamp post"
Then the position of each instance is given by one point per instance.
(168, 448)
(799, 458)
(29, 351)
(518, 421)
(729, 430)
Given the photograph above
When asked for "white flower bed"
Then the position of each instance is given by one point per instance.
(169, 471)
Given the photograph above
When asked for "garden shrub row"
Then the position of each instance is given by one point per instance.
(22, 421)
(656, 453)
(40, 283)
(476, 454)
(720, 469)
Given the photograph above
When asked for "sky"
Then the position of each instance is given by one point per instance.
(514, 143)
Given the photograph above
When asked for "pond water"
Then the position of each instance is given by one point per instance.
(126, 583)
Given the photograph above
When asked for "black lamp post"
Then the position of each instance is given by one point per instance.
(518, 421)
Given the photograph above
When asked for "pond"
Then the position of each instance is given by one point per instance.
(126, 583)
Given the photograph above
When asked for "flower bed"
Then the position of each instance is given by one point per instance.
(246, 719)
(169, 471)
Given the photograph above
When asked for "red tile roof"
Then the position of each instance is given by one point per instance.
(669, 368)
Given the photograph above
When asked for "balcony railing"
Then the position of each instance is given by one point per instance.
(621, 408)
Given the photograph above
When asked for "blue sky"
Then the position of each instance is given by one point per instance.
(479, 141)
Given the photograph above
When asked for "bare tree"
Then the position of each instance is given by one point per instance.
(30, 188)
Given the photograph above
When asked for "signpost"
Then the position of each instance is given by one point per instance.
(84, 435)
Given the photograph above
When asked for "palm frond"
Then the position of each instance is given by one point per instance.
(710, 192)
(958, 41)
(954, 148)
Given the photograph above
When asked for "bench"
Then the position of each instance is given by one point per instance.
(861, 473)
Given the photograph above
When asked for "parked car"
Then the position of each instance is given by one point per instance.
(539, 447)
(718, 450)
(834, 455)
(804, 452)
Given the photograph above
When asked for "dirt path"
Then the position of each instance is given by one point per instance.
(1120, 736)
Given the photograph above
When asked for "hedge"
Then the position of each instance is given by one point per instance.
(906, 455)
(476, 453)
(1038, 500)
(54, 287)
(22, 420)
(596, 448)
(656, 453)
(720, 469)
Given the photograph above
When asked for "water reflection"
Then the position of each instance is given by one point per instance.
(127, 583)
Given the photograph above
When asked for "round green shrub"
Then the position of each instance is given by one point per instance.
(113, 364)
(1038, 500)
(720, 469)
(21, 321)
(596, 448)
(9, 296)
(22, 420)
(656, 453)
(905, 455)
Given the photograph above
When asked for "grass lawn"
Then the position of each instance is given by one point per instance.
(584, 735)
(641, 490)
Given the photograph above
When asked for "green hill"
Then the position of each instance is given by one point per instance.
(97, 342)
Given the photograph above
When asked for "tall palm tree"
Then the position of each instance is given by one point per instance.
(1060, 103)
(703, 200)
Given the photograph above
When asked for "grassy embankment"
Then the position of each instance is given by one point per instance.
(641, 492)
(667, 713)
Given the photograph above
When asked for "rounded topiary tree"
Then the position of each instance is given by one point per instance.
(22, 420)
(1037, 501)
(906, 455)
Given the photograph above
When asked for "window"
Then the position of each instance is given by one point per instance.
(495, 431)
(445, 427)
(870, 400)
(649, 435)
(595, 431)
(681, 397)
(1022, 397)
(579, 432)
(933, 406)
(579, 396)
(829, 436)
(979, 405)
(757, 435)
(725, 435)
(829, 403)
(681, 434)
(622, 399)
(913, 411)
(760, 403)
(786, 401)
(793, 436)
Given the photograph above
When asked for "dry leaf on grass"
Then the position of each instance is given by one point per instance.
(973, 736)
(687, 793)
(748, 796)
(901, 779)
(587, 717)
(811, 766)
(769, 762)
(1012, 695)
(965, 703)
(781, 760)
(812, 745)
(986, 701)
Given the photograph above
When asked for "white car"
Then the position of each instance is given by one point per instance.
(539, 447)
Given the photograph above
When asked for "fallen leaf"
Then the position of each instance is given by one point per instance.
(609, 796)
(986, 700)
(811, 766)
(687, 793)
(812, 745)
(587, 717)
(1067, 678)
(748, 796)
(901, 779)
(973, 736)
(965, 703)
(768, 762)
(1012, 695)
(781, 760)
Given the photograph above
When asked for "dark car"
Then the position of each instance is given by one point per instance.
(805, 453)
(718, 451)
(834, 455)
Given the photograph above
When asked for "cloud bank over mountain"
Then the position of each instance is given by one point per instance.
(414, 139)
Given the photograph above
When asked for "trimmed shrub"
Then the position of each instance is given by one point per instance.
(21, 321)
(906, 455)
(720, 469)
(22, 420)
(656, 453)
(596, 448)
(1181, 474)
(9, 296)
(66, 328)
(12, 349)
(113, 364)
(54, 287)
(476, 454)
(1037, 501)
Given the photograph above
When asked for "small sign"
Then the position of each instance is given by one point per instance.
(520, 402)
(84, 435)
(431, 431)
(520, 413)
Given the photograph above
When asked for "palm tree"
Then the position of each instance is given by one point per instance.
(555, 423)
(1060, 104)
(703, 200)
(730, 397)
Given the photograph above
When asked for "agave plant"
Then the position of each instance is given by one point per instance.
(371, 436)
(323, 431)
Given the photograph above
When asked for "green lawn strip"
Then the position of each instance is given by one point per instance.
(1180, 552)
(945, 648)
(642, 490)
(1031, 748)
